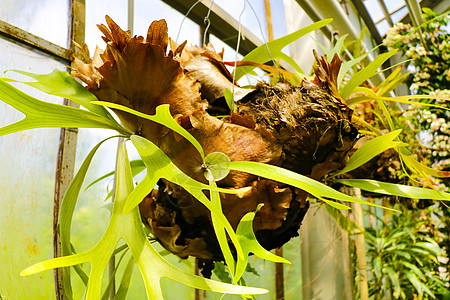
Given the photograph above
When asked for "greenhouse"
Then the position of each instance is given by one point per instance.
(212, 149)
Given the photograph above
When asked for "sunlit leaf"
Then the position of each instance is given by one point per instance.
(406, 155)
(212, 159)
(344, 222)
(68, 206)
(400, 99)
(272, 50)
(40, 114)
(219, 229)
(313, 187)
(163, 117)
(137, 166)
(250, 244)
(160, 166)
(129, 227)
(229, 99)
(392, 189)
(395, 283)
(364, 74)
(125, 281)
(337, 49)
(62, 84)
(346, 66)
(371, 149)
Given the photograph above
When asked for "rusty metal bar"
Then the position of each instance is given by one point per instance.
(67, 148)
(31, 40)
(279, 276)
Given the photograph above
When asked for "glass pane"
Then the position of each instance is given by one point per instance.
(180, 28)
(383, 27)
(250, 13)
(95, 14)
(393, 5)
(374, 9)
(26, 186)
(398, 16)
(278, 19)
(48, 19)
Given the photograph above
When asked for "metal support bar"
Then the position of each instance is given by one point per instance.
(33, 41)
(387, 16)
(67, 149)
(364, 14)
(331, 9)
(223, 26)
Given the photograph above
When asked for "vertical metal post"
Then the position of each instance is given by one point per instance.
(67, 147)
(279, 267)
(112, 261)
(279, 276)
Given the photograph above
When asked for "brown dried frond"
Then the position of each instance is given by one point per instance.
(327, 73)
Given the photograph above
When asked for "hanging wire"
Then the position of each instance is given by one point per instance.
(236, 55)
(184, 18)
(264, 38)
(207, 22)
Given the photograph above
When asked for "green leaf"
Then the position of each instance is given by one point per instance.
(68, 206)
(213, 173)
(414, 269)
(229, 99)
(219, 230)
(129, 227)
(346, 66)
(395, 283)
(137, 166)
(371, 149)
(221, 272)
(163, 117)
(43, 114)
(392, 189)
(125, 282)
(313, 187)
(160, 166)
(272, 50)
(250, 244)
(419, 286)
(62, 84)
(400, 99)
(337, 49)
(364, 74)
(344, 222)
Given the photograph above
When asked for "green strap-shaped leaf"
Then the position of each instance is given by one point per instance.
(129, 227)
(392, 189)
(272, 50)
(400, 99)
(62, 84)
(371, 149)
(395, 282)
(219, 229)
(41, 114)
(364, 74)
(67, 208)
(163, 117)
(137, 166)
(337, 49)
(125, 282)
(160, 166)
(250, 244)
(313, 187)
